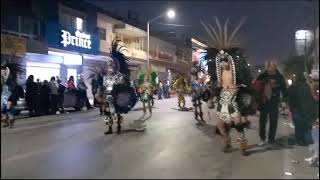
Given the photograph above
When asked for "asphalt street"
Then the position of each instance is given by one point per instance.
(173, 146)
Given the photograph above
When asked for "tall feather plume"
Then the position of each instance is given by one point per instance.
(225, 37)
(234, 32)
(213, 38)
(220, 36)
(219, 29)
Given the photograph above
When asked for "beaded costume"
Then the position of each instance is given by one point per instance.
(230, 76)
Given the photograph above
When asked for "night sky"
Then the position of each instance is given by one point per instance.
(268, 31)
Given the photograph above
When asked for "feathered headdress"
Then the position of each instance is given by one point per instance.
(221, 39)
(149, 73)
(14, 68)
(119, 57)
(118, 62)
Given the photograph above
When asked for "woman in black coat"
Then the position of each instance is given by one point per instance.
(45, 97)
(31, 96)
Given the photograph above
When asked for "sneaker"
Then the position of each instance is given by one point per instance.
(309, 160)
(291, 125)
(262, 143)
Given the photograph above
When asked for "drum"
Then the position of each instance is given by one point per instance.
(247, 101)
(124, 98)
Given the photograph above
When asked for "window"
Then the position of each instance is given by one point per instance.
(72, 22)
(79, 23)
(29, 26)
(66, 20)
(102, 33)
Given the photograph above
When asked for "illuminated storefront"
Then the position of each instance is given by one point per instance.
(66, 51)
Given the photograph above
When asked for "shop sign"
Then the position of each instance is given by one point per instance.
(13, 45)
(80, 39)
(59, 37)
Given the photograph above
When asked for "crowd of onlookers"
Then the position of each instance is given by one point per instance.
(302, 97)
(47, 97)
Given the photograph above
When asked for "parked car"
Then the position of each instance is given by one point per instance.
(21, 106)
(71, 100)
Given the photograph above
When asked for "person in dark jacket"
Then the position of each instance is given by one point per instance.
(38, 84)
(45, 98)
(303, 109)
(82, 90)
(274, 85)
(31, 93)
(60, 99)
(94, 88)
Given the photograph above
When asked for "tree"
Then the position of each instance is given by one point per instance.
(296, 65)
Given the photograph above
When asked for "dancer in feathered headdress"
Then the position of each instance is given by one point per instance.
(180, 86)
(119, 96)
(10, 91)
(229, 72)
(147, 83)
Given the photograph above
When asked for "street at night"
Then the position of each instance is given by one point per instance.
(163, 89)
(172, 146)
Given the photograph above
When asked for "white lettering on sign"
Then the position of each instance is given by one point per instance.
(80, 39)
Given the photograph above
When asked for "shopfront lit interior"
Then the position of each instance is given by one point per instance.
(42, 71)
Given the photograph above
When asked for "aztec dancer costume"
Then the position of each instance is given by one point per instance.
(230, 76)
(10, 91)
(119, 96)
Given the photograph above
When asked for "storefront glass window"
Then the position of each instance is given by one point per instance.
(42, 71)
(79, 24)
(102, 33)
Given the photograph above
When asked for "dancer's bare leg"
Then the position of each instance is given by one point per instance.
(150, 106)
(226, 140)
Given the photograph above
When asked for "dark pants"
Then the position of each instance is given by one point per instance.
(45, 105)
(54, 98)
(272, 110)
(302, 131)
(83, 96)
(160, 93)
(60, 102)
(32, 106)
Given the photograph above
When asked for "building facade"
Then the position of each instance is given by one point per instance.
(62, 38)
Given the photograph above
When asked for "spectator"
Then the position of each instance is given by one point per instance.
(31, 96)
(38, 84)
(166, 90)
(94, 88)
(83, 92)
(274, 84)
(61, 90)
(45, 98)
(71, 85)
(54, 95)
(303, 109)
(160, 90)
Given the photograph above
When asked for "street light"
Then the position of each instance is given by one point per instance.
(170, 14)
(303, 40)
